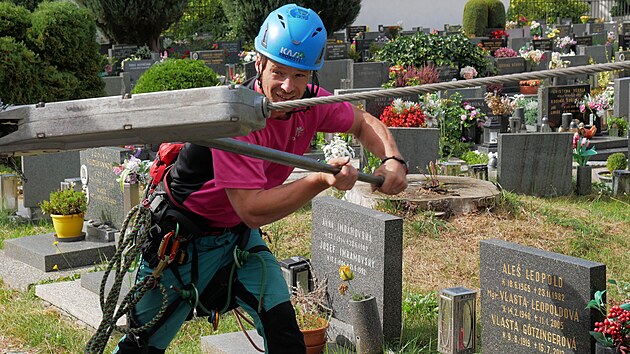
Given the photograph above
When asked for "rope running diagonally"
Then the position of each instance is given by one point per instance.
(401, 91)
(128, 250)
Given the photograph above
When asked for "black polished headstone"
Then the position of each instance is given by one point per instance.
(214, 59)
(563, 30)
(543, 44)
(563, 99)
(534, 301)
(136, 68)
(583, 40)
(231, 50)
(352, 31)
(597, 27)
(493, 44)
(370, 242)
(335, 51)
(510, 65)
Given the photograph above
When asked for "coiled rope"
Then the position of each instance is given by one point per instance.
(126, 256)
(450, 85)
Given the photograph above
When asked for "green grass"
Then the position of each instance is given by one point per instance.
(593, 227)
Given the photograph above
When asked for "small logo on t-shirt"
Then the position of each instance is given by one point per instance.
(298, 133)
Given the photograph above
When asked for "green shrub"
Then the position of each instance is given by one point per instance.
(475, 158)
(31, 5)
(475, 21)
(176, 74)
(548, 9)
(496, 14)
(64, 202)
(64, 36)
(616, 161)
(619, 123)
(455, 51)
(14, 21)
(19, 66)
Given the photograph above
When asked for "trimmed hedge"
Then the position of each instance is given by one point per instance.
(19, 71)
(176, 74)
(64, 36)
(475, 21)
(14, 21)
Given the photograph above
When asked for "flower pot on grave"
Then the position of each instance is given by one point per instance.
(529, 90)
(315, 339)
(600, 349)
(605, 177)
(584, 178)
(367, 327)
(68, 228)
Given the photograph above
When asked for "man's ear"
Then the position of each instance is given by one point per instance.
(258, 64)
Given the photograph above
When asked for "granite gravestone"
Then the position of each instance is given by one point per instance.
(624, 40)
(353, 31)
(518, 43)
(370, 242)
(336, 51)
(214, 59)
(250, 69)
(135, 68)
(375, 106)
(622, 89)
(580, 29)
(231, 51)
(366, 75)
(563, 30)
(596, 27)
(105, 198)
(510, 65)
(534, 301)
(561, 99)
(43, 175)
(122, 51)
(333, 72)
(535, 163)
(543, 44)
(583, 40)
(492, 44)
(599, 53)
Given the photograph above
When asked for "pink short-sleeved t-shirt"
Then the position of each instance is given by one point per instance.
(231, 170)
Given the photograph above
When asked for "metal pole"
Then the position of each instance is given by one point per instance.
(283, 158)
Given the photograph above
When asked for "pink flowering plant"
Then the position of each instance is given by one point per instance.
(565, 42)
(468, 72)
(597, 104)
(581, 150)
(132, 171)
(505, 52)
(470, 115)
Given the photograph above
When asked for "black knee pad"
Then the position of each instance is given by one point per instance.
(281, 330)
(131, 346)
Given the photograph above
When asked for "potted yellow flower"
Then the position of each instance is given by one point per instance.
(66, 208)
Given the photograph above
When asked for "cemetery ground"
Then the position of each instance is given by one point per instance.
(437, 254)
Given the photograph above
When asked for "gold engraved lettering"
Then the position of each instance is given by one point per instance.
(557, 311)
(513, 299)
(543, 278)
(512, 270)
(504, 322)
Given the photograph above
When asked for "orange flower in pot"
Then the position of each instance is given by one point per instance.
(529, 87)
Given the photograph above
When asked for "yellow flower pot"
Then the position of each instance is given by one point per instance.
(68, 226)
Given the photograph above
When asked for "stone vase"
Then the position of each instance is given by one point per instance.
(131, 196)
(584, 177)
(366, 323)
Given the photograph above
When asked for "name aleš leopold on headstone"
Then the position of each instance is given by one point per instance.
(370, 242)
(534, 301)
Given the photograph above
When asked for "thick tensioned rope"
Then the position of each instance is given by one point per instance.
(450, 85)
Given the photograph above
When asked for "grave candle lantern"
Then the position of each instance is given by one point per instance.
(457, 321)
(491, 130)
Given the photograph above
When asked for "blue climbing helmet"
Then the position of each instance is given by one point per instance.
(293, 36)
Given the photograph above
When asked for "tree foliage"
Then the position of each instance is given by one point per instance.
(31, 5)
(135, 21)
(551, 10)
(201, 16)
(14, 21)
(246, 17)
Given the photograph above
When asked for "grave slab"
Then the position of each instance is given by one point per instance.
(622, 90)
(535, 163)
(534, 301)
(370, 242)
(599, 53)
(236, 343)
(19, 275)
(369, 74)
(39, 251)
(92, 282)
(74, 300)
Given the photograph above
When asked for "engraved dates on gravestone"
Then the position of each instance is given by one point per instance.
(534, 301)
(563, 99)
(370, 242)
(105, 198)
(492, 44)
(231, 50)
(583, 40)
(352, 31)
(335, 51)
(214, 59)
(597, 27)
(510, 65)
(563, 30)
(543, 44)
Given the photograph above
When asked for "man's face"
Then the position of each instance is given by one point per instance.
(280, 82)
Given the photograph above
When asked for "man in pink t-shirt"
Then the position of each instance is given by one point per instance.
(233, 195)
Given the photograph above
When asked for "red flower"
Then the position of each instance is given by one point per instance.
(408, 118)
